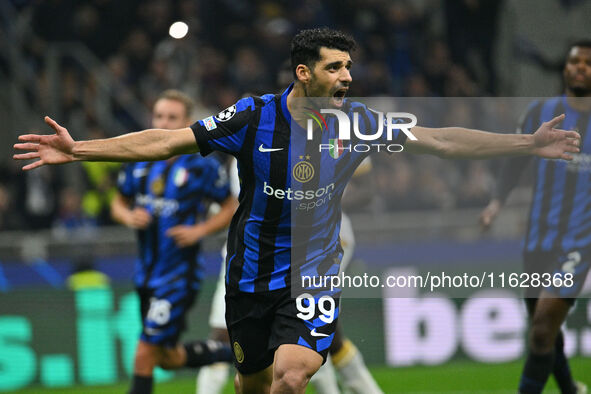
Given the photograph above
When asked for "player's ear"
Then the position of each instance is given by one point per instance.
(303, 73)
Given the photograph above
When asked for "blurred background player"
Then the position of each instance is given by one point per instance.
(165, 201)
(558, 237)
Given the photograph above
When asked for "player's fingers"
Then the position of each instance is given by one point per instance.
(143, 216)
(26, 146)
(142, 224)
(485, 218)
(172, 232)
(484, 215)
(30, 138)
(54, 125)
(180, 242)
(556, 120)
(572, 144)
(33, 165)
(566, 156)
(569, 134)
(26, 156)
(572, 135)
(573, 141)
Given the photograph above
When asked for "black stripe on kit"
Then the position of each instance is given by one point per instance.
(154, 227)
(535, 114)
(142, 188)
(548, 186)
(278, 171)
(236, 245)
(301, 221)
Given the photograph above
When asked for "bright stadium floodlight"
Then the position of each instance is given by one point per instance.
(178, 30)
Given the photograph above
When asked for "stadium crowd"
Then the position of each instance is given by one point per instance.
(235, 47)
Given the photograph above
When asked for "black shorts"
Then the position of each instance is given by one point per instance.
(258, 323)
(163, 313)
(566, 272)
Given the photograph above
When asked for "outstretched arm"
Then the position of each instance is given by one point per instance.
(59, 148)
(460, 143)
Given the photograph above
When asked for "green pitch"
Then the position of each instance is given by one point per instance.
(454, 377)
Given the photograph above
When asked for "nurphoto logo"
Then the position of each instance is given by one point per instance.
(369, 140)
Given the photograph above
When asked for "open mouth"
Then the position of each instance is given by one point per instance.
(339, 96)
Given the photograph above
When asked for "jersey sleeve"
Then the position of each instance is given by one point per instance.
(125, 180)
(225, 131)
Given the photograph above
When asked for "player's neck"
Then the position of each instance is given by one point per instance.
(299, 104)
(295, 103)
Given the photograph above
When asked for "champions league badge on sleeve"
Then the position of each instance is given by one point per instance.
(226, 114)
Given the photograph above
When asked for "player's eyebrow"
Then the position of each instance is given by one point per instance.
(348, 63)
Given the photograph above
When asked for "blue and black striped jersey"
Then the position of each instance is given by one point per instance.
(174, 192)
(289, 213)
(560, 213)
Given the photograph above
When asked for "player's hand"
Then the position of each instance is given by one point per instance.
(489, 214)
(47, 149)
(554, 143)
(185, 236)
(139, 219)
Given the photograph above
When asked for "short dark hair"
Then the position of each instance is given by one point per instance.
(305, 46)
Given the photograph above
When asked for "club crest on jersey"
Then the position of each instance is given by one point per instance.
(209, 123)
(336, 149)
(303, 171)
(157, 186)
(180, 177)
(226, 114)
(238, 352)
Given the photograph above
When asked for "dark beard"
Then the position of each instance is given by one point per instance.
(580, 92)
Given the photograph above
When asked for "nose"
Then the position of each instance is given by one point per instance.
(346, 76)
(581, 65)
(160, 123)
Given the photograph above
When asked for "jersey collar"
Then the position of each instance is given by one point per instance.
(286, 113)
